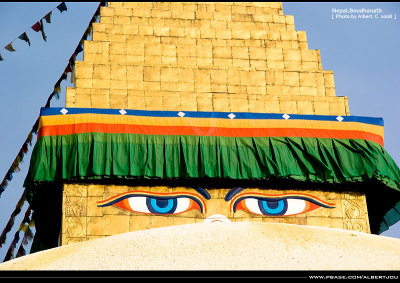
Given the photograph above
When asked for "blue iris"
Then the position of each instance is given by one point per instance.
(161, 205)
(273, 207)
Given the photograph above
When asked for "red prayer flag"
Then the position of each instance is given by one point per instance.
(37, 27)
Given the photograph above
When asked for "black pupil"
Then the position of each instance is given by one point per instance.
(272, 204)
(162, 203)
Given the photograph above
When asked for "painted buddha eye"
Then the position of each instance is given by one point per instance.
(282, 205)
(153, 203)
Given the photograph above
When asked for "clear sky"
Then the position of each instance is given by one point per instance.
(363, 54)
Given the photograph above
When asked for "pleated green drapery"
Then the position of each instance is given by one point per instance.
(101, 155)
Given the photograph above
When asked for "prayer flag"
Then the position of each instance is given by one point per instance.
(78, 49)
(36, 27)
(87, 32)
(10, 47)
(68, 69)
(47, 18)
(25, 37)
(42, 30)
(62, 7)
(63, 77)
(57, 88)
(39, 27)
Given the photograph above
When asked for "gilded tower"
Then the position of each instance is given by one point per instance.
(198, 61)
(199, 56)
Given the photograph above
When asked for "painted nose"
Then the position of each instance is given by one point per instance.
(217, 218)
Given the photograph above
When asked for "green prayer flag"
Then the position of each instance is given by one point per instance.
(42, 30)
(25, 37)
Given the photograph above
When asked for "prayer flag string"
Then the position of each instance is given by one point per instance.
(28, 236)
(10, 223)
(70, 68)
(38, 26)
(24, 228)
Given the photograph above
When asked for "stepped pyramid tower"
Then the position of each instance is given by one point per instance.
(238, 58)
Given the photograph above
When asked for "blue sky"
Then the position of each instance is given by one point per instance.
(363, 54)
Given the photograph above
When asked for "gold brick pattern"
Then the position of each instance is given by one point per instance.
(200, 56)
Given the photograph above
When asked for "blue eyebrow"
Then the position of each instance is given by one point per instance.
(233, 192)
(203, 192)
(228, 196)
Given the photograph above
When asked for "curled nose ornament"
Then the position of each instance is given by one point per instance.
(217, 218)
